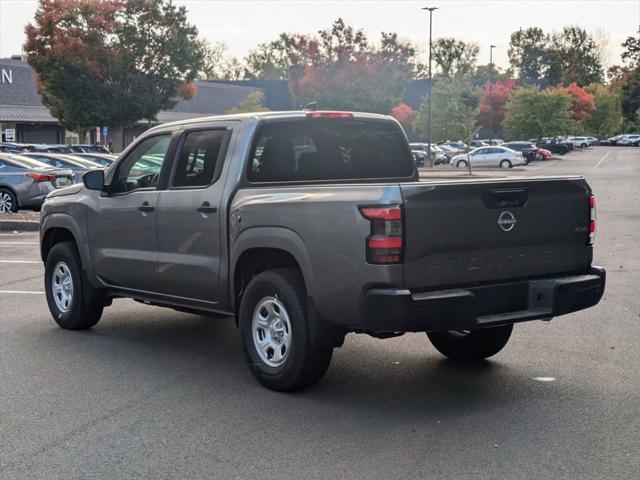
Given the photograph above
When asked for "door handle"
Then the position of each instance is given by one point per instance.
(206, 208)
(145, 207)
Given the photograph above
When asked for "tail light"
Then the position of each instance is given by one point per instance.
(384, 245)
(41, 177)
(592, 219)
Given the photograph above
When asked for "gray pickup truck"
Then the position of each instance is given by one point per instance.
(306, 226)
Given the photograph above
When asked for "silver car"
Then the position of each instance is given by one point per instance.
(25, 182)
(58, 160)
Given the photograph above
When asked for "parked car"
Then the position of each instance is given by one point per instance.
(450, 151)
(611, 140)
(592, 141)
(632, 140)
(461, 146)
(478, 143)
(419, 156)
(581, 142)
(76, 164)
(553, 145)
(544, 153)
(492, 141)
(103, 159)
(309, 225)
(88, 148)
(24, 182)
(528, 149)
(10, 148)
(437, 153)
(490, 157)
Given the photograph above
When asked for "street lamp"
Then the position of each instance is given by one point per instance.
(430, 9)
(491, 47)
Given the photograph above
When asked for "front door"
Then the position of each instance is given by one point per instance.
(189, 220)
(122, 224)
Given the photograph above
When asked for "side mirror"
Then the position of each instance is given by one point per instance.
(93, 179)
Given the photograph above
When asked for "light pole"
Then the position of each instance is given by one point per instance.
(491, 47)
(430, 9)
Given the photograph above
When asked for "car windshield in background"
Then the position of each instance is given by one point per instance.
(329, 149)
(27, 162)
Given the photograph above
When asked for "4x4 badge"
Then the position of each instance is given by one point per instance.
(507, 221)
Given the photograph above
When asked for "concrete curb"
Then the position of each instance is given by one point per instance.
(19, 225)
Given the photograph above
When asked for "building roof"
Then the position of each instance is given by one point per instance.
(11, 113)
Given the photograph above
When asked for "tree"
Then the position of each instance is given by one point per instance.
(606, 119)
(251, 103)
(455, 105)
(340, 69)
(535, 113)
(455, 58)
(626, 79)
(571, 55)
(527, 53)
(404, 114)
(112, 62)
(218, 64)
(582, 102)
(493, 103)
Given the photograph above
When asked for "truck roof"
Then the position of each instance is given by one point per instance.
(257, 116)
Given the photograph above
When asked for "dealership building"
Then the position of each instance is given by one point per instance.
(24, 118)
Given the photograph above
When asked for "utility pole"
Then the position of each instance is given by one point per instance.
(430, 9)
(491, 47)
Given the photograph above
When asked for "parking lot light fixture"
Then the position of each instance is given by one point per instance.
(431, 10)
(491, 132)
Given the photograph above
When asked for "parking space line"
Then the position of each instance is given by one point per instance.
(20, 261)
(601, 160)
(19, 243)
(22, 292)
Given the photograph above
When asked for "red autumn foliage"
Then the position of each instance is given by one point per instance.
(495, 97)
(188, 91)
(404, 114)
(582, 102)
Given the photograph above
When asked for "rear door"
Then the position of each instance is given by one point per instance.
(481, 232)
(189, 220)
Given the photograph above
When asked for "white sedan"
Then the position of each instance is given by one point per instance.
(491, 156)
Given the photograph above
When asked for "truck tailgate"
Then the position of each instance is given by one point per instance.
(477, 232)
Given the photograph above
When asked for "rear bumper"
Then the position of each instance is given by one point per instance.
(395, 310)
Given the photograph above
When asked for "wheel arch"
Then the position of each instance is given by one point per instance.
(262, 248)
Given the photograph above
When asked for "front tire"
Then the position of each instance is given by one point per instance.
(65, 288)
(461, 164)
(473, 345)
(505, 164)
(274, 326)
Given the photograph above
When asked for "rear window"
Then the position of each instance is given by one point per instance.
(329, 149)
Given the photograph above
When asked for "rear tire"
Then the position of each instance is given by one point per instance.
(274, 327)
(68, 292)
(505, 164)
(461, 164)
(473, 345)
(8, 201)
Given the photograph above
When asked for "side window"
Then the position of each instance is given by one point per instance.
(141, 168)
(198, 159)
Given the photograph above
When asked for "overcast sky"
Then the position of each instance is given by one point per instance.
(241, 24)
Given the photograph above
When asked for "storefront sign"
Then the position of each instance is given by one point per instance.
(6, 75)
(10, 134)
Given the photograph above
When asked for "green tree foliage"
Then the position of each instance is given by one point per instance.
(454, 106)
(626, 79)
(251, 103)
(535, 113)
(606, 119)
(454, 58)
(112, 62)
(569, 56)
(340, 69)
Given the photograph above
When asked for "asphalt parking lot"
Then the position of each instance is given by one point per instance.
(152, 393)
